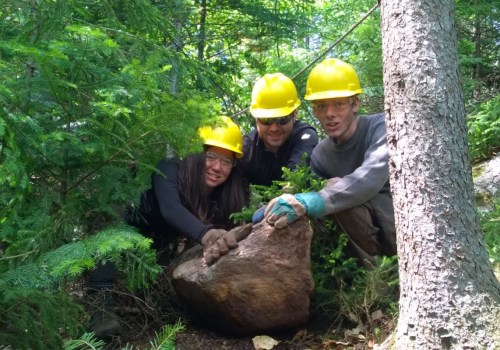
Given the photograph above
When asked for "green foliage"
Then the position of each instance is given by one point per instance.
(93, 92)
(128, 249)
(329, 266)
(484, 130)
(86, 341)
(490, 223)
(36, 319)
(33, 300)
(342, 287)
(299, 180)
(479, 52)
(370, 290)
(164, 340)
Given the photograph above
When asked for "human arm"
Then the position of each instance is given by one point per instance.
(173, 212)
(304, 139)
(258, 215)
(215, 242)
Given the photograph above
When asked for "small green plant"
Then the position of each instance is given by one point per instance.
(329, 265)
(370, 290)
(165, 339)
(490, 223)
(300, 180)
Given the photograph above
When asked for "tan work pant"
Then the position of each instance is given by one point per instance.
(370, 228)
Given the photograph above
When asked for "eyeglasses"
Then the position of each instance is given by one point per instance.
(280, 121)
(213, 158)
(337, 106)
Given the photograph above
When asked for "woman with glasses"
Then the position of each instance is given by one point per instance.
(190, 198)
(279, 139)
(194, 197)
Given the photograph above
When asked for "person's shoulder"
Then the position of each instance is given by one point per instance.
(168, 161)
(301, 125)
(249, 143)
(379, 119)
(373, 120)
(250, 136)
(167, 165)
(321, 151)
(303, 130)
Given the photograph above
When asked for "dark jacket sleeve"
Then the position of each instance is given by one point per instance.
(166, 191)
(304, 140)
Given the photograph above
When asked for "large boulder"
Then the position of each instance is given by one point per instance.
(262, 285)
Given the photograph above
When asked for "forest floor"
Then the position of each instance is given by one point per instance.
(143, 315)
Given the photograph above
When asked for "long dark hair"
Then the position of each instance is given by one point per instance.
(216, 207)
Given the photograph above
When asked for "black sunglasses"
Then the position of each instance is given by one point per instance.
(279, 121)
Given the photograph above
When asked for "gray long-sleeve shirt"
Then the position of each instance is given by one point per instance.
(361, 164)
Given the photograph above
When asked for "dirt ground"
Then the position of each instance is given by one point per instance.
(144, 314)
(309, 337)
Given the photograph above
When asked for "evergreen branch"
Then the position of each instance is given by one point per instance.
(104, 163)
(86, 341)
(17, 256)
(165, 339)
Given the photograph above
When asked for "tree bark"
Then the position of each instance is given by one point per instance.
(450, 298)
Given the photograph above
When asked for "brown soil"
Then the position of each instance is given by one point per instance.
(144, 314)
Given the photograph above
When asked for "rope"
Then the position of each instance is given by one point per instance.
(349, 31)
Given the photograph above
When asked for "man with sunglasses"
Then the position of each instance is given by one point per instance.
(279, 139)
(354, 159)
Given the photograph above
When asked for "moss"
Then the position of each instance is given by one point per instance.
(478, 170)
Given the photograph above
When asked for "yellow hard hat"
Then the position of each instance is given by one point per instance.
(273, 96)
(332, 78)
(227, 136)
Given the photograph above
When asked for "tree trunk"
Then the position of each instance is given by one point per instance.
(450, 298)
(477, 68)
(202, 36)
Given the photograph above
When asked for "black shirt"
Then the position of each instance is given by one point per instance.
(262, 167)
(161, 208)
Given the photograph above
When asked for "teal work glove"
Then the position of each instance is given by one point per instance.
(287, 208)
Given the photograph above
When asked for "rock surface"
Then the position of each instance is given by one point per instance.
(487, 184)
(262, 285)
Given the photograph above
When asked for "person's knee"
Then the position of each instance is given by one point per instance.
(358, 225)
